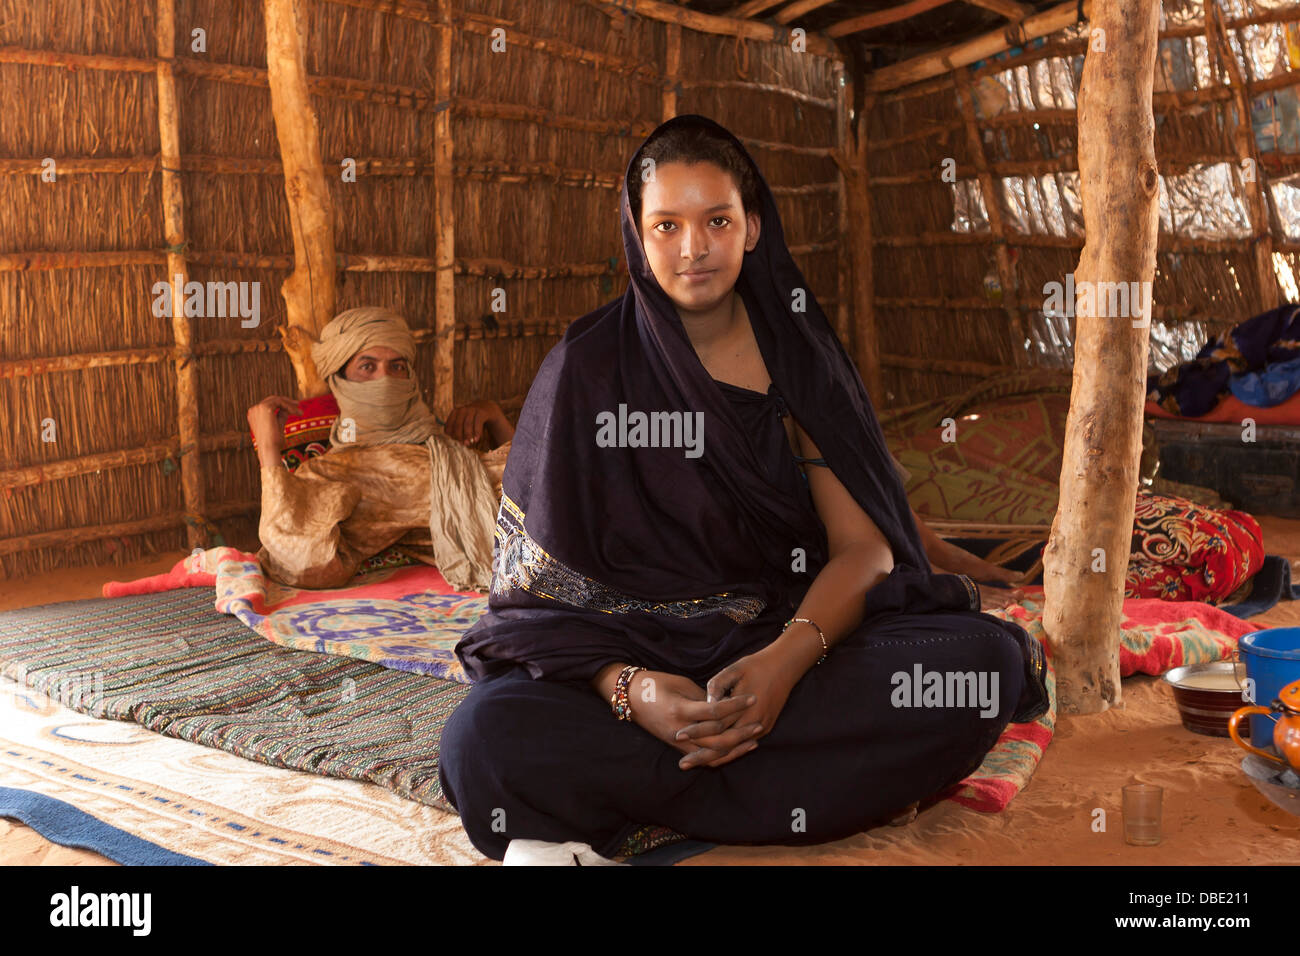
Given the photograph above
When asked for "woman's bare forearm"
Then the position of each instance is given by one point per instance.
(951, 559)
(944, 556)
(836, 601)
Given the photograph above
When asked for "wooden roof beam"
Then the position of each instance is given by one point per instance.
(1015, 12)
(796, 10)
(982, 47)
(814, 41)
(752, 8)
(904, 11)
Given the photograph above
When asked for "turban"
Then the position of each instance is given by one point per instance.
(356, 329)
(384, 410)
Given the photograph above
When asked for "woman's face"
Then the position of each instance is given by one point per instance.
(695, 232)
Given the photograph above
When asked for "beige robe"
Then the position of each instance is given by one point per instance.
(320, 523)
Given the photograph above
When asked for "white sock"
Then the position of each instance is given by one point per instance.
(541, 853)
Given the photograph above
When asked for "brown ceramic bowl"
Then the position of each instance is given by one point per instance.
(1207, 695)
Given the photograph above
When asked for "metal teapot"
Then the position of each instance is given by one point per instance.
(1286, 735)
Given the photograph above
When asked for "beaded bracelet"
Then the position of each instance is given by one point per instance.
(618, 700)
(803, 620)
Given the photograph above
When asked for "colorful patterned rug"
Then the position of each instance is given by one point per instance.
(116, 788)
(405, 618)
(172, 664)
(408, 619)
(992, 457)
(991, 454)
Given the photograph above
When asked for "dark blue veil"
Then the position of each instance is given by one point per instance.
(645, 555)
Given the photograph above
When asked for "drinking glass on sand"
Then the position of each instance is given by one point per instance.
(1142, 814)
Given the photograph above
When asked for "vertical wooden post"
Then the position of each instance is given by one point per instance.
(965, 94)
(173, 208)
(843, 263)
(855, 235)
(672, 66)
(1087, 554)
(309, 290)
(1249, 170)
(444, 186)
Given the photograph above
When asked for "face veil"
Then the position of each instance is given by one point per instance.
(384, 410)
(644, 554)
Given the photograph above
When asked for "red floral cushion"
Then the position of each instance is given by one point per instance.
(1183, 551)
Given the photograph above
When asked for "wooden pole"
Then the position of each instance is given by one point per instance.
(1039, 240)
(1249, 171)
(444, 185)
(15, 478)
(797, 10)
(187, 384)
(309, 290)
(26, 368)
(672, 66)
(1013, 11)
(71, 537)
(751, 9)
(965, 94)
(851, 159)
(843, 261)
(950, 366)
(1087, 555)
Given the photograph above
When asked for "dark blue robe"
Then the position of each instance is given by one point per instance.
(547, 760)
(684, 564)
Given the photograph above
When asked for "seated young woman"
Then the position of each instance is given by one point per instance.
(392, 475)
(707, 627)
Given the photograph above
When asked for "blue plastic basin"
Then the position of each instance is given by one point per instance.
(1272, 659)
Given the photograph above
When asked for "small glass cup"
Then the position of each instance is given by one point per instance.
(1142, 814)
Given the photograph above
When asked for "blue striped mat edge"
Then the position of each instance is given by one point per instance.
(62, 823)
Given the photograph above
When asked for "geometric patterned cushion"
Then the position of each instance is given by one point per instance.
(307, 434)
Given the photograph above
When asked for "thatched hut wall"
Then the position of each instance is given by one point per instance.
(947, 314)
(541, 133)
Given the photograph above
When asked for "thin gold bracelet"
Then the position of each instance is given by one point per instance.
(803, 620)
(972, 591)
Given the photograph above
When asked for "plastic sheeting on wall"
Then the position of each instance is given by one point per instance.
(1207, 201)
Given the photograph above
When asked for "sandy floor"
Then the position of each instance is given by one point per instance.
(1212, 814)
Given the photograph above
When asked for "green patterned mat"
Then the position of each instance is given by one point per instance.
(176, 666)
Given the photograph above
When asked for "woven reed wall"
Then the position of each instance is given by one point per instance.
(542, 134)
(939, 332)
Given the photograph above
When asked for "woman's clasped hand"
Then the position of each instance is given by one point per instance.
(715, 725)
